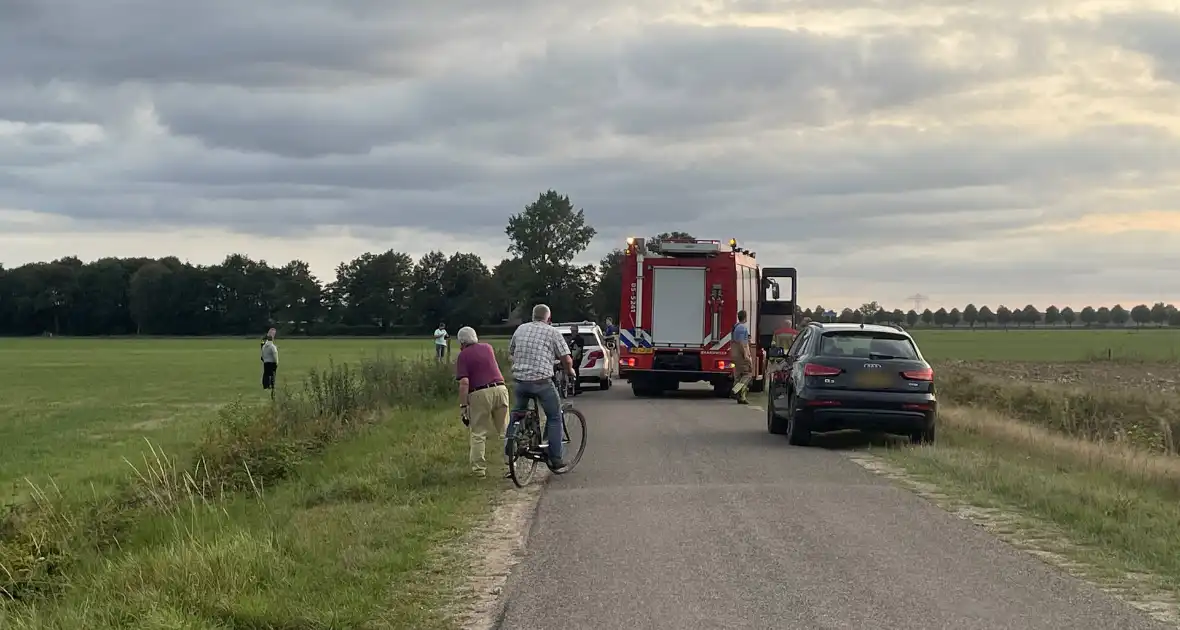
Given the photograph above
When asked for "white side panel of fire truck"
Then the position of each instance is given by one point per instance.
(678, 305)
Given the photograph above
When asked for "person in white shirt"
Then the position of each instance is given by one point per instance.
(270, 361)
(440, 341)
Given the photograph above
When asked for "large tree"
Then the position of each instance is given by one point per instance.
(428, 303)
(467, 284)
(547, 236)
(549, 233)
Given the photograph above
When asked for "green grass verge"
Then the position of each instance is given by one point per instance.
(349, 541)
(1118, 506)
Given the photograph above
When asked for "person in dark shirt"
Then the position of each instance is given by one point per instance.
(577, 351)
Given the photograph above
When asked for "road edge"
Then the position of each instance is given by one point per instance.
(490, 551)
(1031, 536)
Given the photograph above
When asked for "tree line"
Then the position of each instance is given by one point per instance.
(390, 293)
(387, 293)
(1158, 314)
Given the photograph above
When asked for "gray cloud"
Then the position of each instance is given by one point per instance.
(277, 119)
(1153, 33)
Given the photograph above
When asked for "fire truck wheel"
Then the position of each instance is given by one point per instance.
(643, 390)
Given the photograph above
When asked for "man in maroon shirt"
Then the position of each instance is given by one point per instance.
(483, 398)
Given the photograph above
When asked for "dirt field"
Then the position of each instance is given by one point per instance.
(1162, 377)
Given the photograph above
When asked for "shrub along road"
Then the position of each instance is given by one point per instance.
(685, 513)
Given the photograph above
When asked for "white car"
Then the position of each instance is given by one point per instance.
(598, 361)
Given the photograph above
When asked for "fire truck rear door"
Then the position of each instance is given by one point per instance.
(678, 305)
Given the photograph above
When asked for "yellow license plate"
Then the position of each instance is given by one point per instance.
(873, 379)
(641, 351)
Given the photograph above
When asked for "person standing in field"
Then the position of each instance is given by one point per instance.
(483, 397)
(440, 341)
(270, 361)
(739, 350)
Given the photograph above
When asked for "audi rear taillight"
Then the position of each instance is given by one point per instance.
(593, 358)
(924, 374)
(815, 369)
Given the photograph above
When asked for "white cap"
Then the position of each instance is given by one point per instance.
(467, 335)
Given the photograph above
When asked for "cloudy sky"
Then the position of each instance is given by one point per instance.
(1000, 151)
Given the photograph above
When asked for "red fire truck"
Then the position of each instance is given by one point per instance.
(680, 304)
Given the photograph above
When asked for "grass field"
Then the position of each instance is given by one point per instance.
(348, 537)
(73, 408)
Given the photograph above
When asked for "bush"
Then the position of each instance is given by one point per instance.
(1145, 419)
(243, 448)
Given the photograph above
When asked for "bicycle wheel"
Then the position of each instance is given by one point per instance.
(573, 438)
(522, 462)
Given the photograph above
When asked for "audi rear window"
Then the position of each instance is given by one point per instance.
(866, 344)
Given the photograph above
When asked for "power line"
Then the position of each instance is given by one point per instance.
(919, 301)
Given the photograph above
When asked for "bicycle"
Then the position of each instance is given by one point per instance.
(524, 450)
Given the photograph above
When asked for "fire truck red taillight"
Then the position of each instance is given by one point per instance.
(627, 361)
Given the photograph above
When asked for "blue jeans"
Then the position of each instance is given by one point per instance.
(546, 395)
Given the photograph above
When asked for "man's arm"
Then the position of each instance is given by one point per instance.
(463, 374)
(512, 345)
(464, 390)
(562, 351)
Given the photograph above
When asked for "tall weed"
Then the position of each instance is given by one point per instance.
(1144, 419)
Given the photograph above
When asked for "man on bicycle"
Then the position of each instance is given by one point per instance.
(534, 347)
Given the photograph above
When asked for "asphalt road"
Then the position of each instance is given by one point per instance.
(686, 514)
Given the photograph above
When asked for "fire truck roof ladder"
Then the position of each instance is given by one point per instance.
(690, 248)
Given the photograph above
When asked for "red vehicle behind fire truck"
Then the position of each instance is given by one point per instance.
(679, 308)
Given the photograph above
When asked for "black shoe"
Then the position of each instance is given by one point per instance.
(557, 464)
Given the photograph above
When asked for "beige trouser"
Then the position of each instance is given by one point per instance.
(742, 369)
(488, 412)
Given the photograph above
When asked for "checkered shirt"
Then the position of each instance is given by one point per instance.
(535, 347)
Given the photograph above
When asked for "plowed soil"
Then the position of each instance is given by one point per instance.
(1160, 377)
